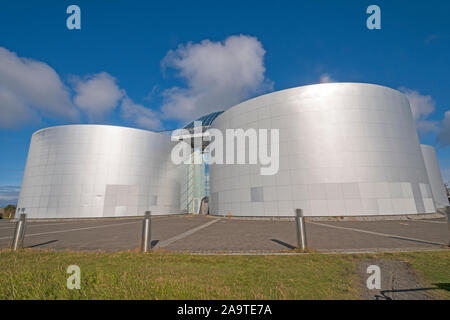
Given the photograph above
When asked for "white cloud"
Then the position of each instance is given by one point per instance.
(421, 106)
(443, 138)
(325, 78)
(14, 111)
(29, 89)
(97, 94)
(143, 117)
(218, 76)
(9, 195)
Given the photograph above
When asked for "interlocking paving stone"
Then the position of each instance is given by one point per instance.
(229, 235)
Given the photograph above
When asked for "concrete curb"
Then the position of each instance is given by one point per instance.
(317, 251)
(436, 215)
(99, 218)
(348, 218)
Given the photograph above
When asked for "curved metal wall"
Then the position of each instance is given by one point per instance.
(98, 171)
(345, 149)
(434, 176)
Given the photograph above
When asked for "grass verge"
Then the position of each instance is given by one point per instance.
(33, 274)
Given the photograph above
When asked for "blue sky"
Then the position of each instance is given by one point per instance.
(124, 47)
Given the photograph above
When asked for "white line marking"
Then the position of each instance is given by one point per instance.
(41, 225)
(169, 241)
(379, 234)
(431, 221)
(30, 224)
(77, 229)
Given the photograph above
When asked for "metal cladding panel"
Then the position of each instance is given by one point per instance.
(434, 176)
(98, 171)
(345, 149)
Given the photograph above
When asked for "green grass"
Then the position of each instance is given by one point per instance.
(33, 274)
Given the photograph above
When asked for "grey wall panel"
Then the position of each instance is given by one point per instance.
(98, 171)
(345, 149)
(434, 176)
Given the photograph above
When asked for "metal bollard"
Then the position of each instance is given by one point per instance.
(19, 233)
(146, 242)
(301, 230)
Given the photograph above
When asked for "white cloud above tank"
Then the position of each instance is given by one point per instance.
(217, 75)
(143, 117)
(30, 89)
(325, 78)
(97, 94)
(421, 106)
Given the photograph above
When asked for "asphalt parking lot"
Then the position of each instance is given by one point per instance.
(206, 234)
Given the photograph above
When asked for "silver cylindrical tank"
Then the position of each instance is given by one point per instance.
(346, 149)
(434, 176)
(98, 171)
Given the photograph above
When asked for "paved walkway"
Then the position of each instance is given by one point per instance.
(398, 281)
(207, 234)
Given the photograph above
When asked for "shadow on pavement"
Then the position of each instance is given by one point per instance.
(42, 244)
(385, 297)
(287, 245)
(154, 243)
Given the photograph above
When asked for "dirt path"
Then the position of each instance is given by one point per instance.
(398, 282)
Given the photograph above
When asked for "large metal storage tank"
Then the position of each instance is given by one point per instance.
(346, 149)
(98, 171)
(434, 176)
